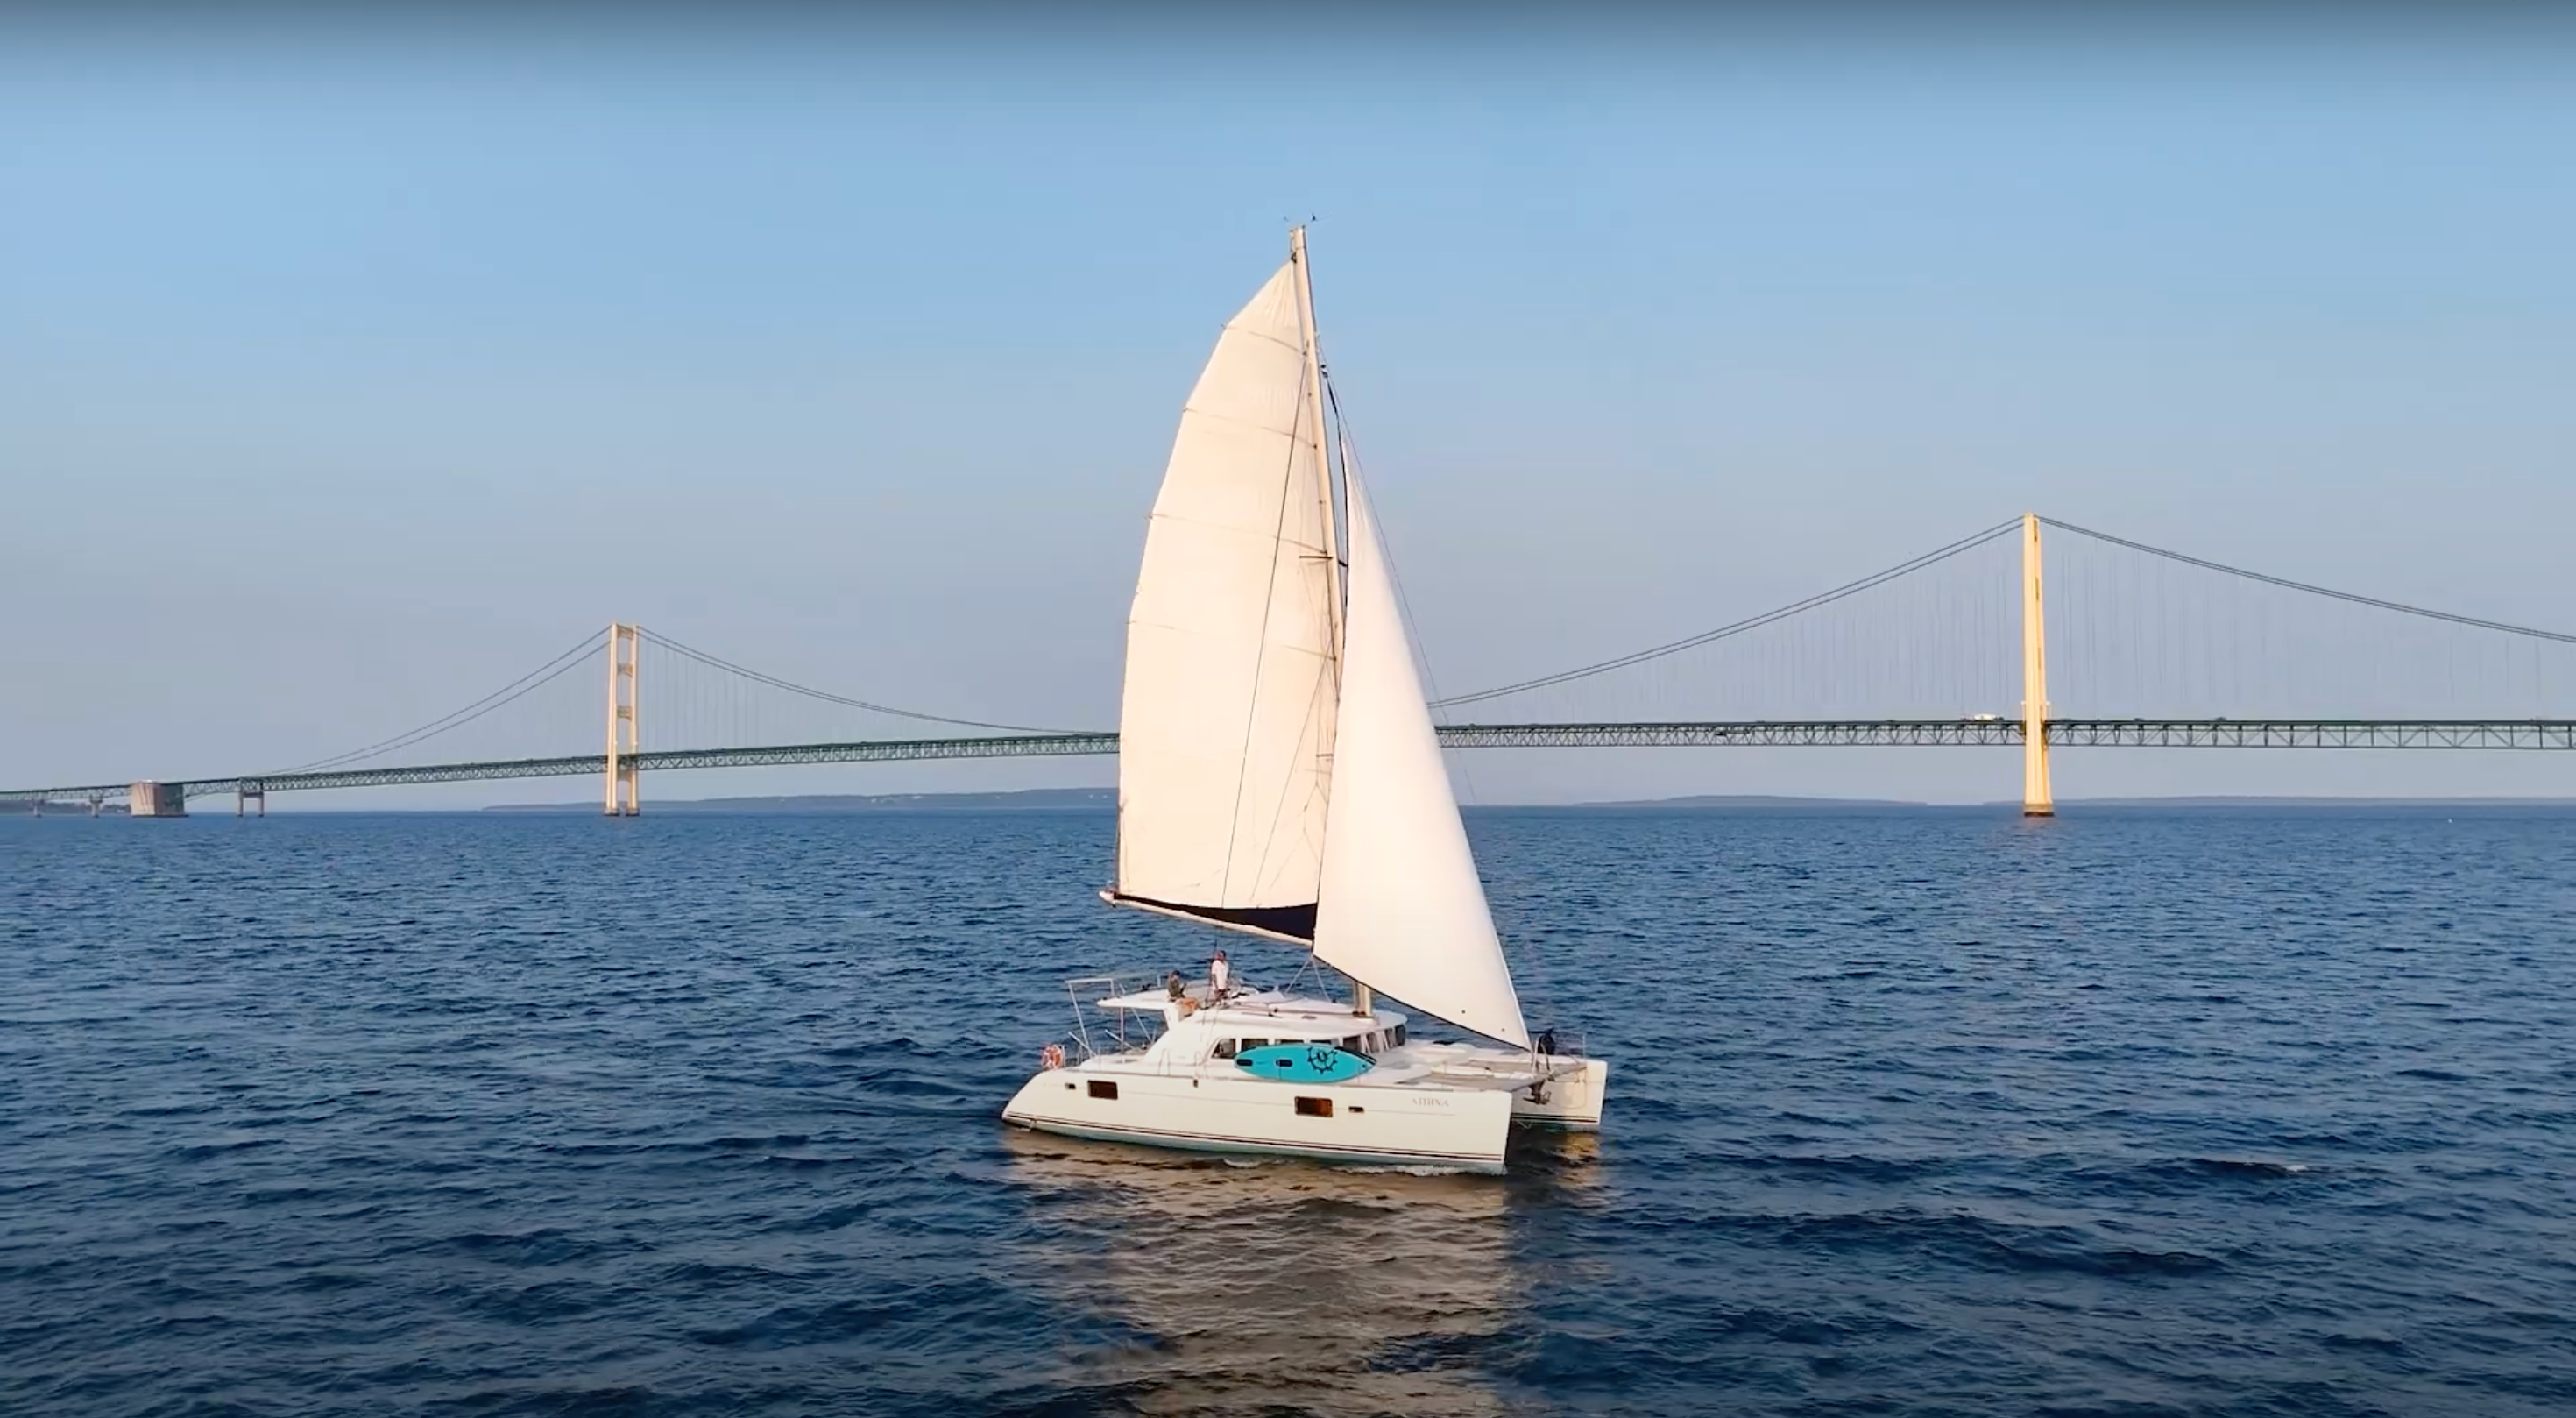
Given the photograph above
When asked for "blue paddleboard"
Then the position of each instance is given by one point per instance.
(1302, 1063)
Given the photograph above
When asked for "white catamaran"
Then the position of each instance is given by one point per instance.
(1278, 775)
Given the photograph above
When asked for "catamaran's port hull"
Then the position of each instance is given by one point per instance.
(1352, 1126)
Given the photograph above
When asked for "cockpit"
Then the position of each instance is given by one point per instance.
(1189, 1031)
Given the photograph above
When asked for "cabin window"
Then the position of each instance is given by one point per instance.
(1225, 1048)
(1395, 1037)
(1315, 1107)
(1256, 1043)
(1103, 1088)
(1353, 1043)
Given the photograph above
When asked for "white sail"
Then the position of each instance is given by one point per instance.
(1401, 908)
(1226, 729)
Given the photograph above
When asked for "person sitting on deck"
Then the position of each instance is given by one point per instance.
(1173, 985)
(1217, 973)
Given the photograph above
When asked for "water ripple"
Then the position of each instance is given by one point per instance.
(1915, 1113)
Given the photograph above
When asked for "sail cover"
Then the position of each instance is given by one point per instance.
(1401, 907)
(1226, 727)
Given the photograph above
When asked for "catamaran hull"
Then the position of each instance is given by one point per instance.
(1569, 1102)
(1370, 1127)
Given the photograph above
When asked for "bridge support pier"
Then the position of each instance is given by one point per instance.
(2036, 800)
(243, 796)
(619, 795)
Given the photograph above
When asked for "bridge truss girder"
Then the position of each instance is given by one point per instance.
(1750, 733)
(2062, 733)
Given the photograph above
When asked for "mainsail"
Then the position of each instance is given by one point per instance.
(1401, 908)
(1226, 726)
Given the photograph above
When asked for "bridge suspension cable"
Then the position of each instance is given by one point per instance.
(1822, 598)
(2283, 581)
(826, 696)
(582, 652)
(515, 690)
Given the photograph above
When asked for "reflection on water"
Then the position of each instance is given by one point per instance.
(1231, 1285)
(2186, 1113)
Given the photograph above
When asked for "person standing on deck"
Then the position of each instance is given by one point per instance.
(1217, 973)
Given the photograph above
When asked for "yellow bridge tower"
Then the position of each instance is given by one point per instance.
(2035, 799)
(619, 792)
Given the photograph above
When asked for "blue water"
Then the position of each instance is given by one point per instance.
(1912, 1113)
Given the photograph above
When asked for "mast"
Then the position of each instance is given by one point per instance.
(1363, 999)
(1323, 462)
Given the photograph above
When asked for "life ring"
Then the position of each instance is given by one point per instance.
(1052, 1056)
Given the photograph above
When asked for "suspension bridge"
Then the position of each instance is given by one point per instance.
(1962, 646)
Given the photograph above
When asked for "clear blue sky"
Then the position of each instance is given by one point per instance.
(346, 373)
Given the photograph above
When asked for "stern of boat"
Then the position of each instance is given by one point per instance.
(1570, 1101)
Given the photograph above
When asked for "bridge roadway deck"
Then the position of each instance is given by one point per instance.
(1756, 733)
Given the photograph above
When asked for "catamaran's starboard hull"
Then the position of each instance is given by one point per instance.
(1569, 1102)
(1351, 1126)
